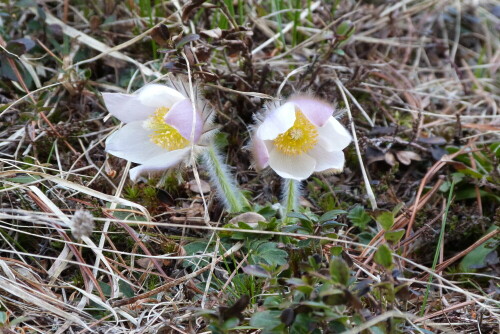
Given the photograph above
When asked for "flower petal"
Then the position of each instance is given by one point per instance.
(159, 163)
(278, 121)
(181, 118)
(333, 136)
(126, 107)
(327, 160)
(298, 167)
(260, 153)
(132, 142)
(317, 111)
(156, 96)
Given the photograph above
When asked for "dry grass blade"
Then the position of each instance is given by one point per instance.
(368, 188)
(178, 281)
(31, 297)
(78, 188)
(164, 254)
(99, 46)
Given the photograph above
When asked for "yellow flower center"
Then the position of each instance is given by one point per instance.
(300, 138)
(165, 135)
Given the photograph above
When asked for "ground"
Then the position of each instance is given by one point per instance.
(404, 239)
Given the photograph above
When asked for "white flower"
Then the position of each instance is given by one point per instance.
(300, 137)
(160, 126)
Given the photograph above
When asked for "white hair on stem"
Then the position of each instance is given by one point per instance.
(223, 180)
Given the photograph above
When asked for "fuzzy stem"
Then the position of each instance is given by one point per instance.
(220, 176)
(291, 193)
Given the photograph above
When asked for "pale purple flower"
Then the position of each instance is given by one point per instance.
(299, 138)
(160, 128)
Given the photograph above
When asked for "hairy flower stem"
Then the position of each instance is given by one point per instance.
(228, 192)
(291, 193)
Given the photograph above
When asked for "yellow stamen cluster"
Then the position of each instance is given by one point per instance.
(300, 138)
(165, 135)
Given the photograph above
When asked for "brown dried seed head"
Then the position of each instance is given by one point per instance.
(83, 224)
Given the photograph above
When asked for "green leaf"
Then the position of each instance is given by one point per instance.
(126, 289)
(256, 270)
(469, 192)
(336, 250)
(305, 289)
(231, 323)
(385, 219)
(244, 226)
(383, 256)
(307, 226)
(477, 258)
(331, 215)
(343, 28)
(365, 237)
(24, 178)
(457, 177)
(394, 236)
(445, 186)
(197, 246)
(377, 330)
(272, 301)
(220, 139)
(106, 288)
(359, 217)
(331, 223)
(269, 253)
(300, 216)
(3, 317)
(266, 320)
(303, 324)
(339, 271)
(20, 46)
(339, 52)
(397, 208)
(306, 243)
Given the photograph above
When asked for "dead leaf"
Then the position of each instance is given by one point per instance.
(437, 152)
(95, 22)
(249, 218)
(432, 140)
(161, 35)
(144, 263)
(483, 127)
(213, 33)
(193, 186)
(390, 159)
(382, 130)
(407, 156)
(189, 8)
(373, 155)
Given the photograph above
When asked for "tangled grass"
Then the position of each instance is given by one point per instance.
(419, 83)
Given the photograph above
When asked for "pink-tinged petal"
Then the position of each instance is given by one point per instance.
(298, 167)
(181, 118)
(126, 107)
(277, 121)
(132, 142)
(317, 111)
(260, 153)
(159, 163)
(327, 160)
(333, 136)
(156, 96)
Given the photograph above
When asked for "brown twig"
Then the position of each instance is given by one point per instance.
(432, 171)
(85, 270)
(146, 251)
(466, 251)
(175, 282)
